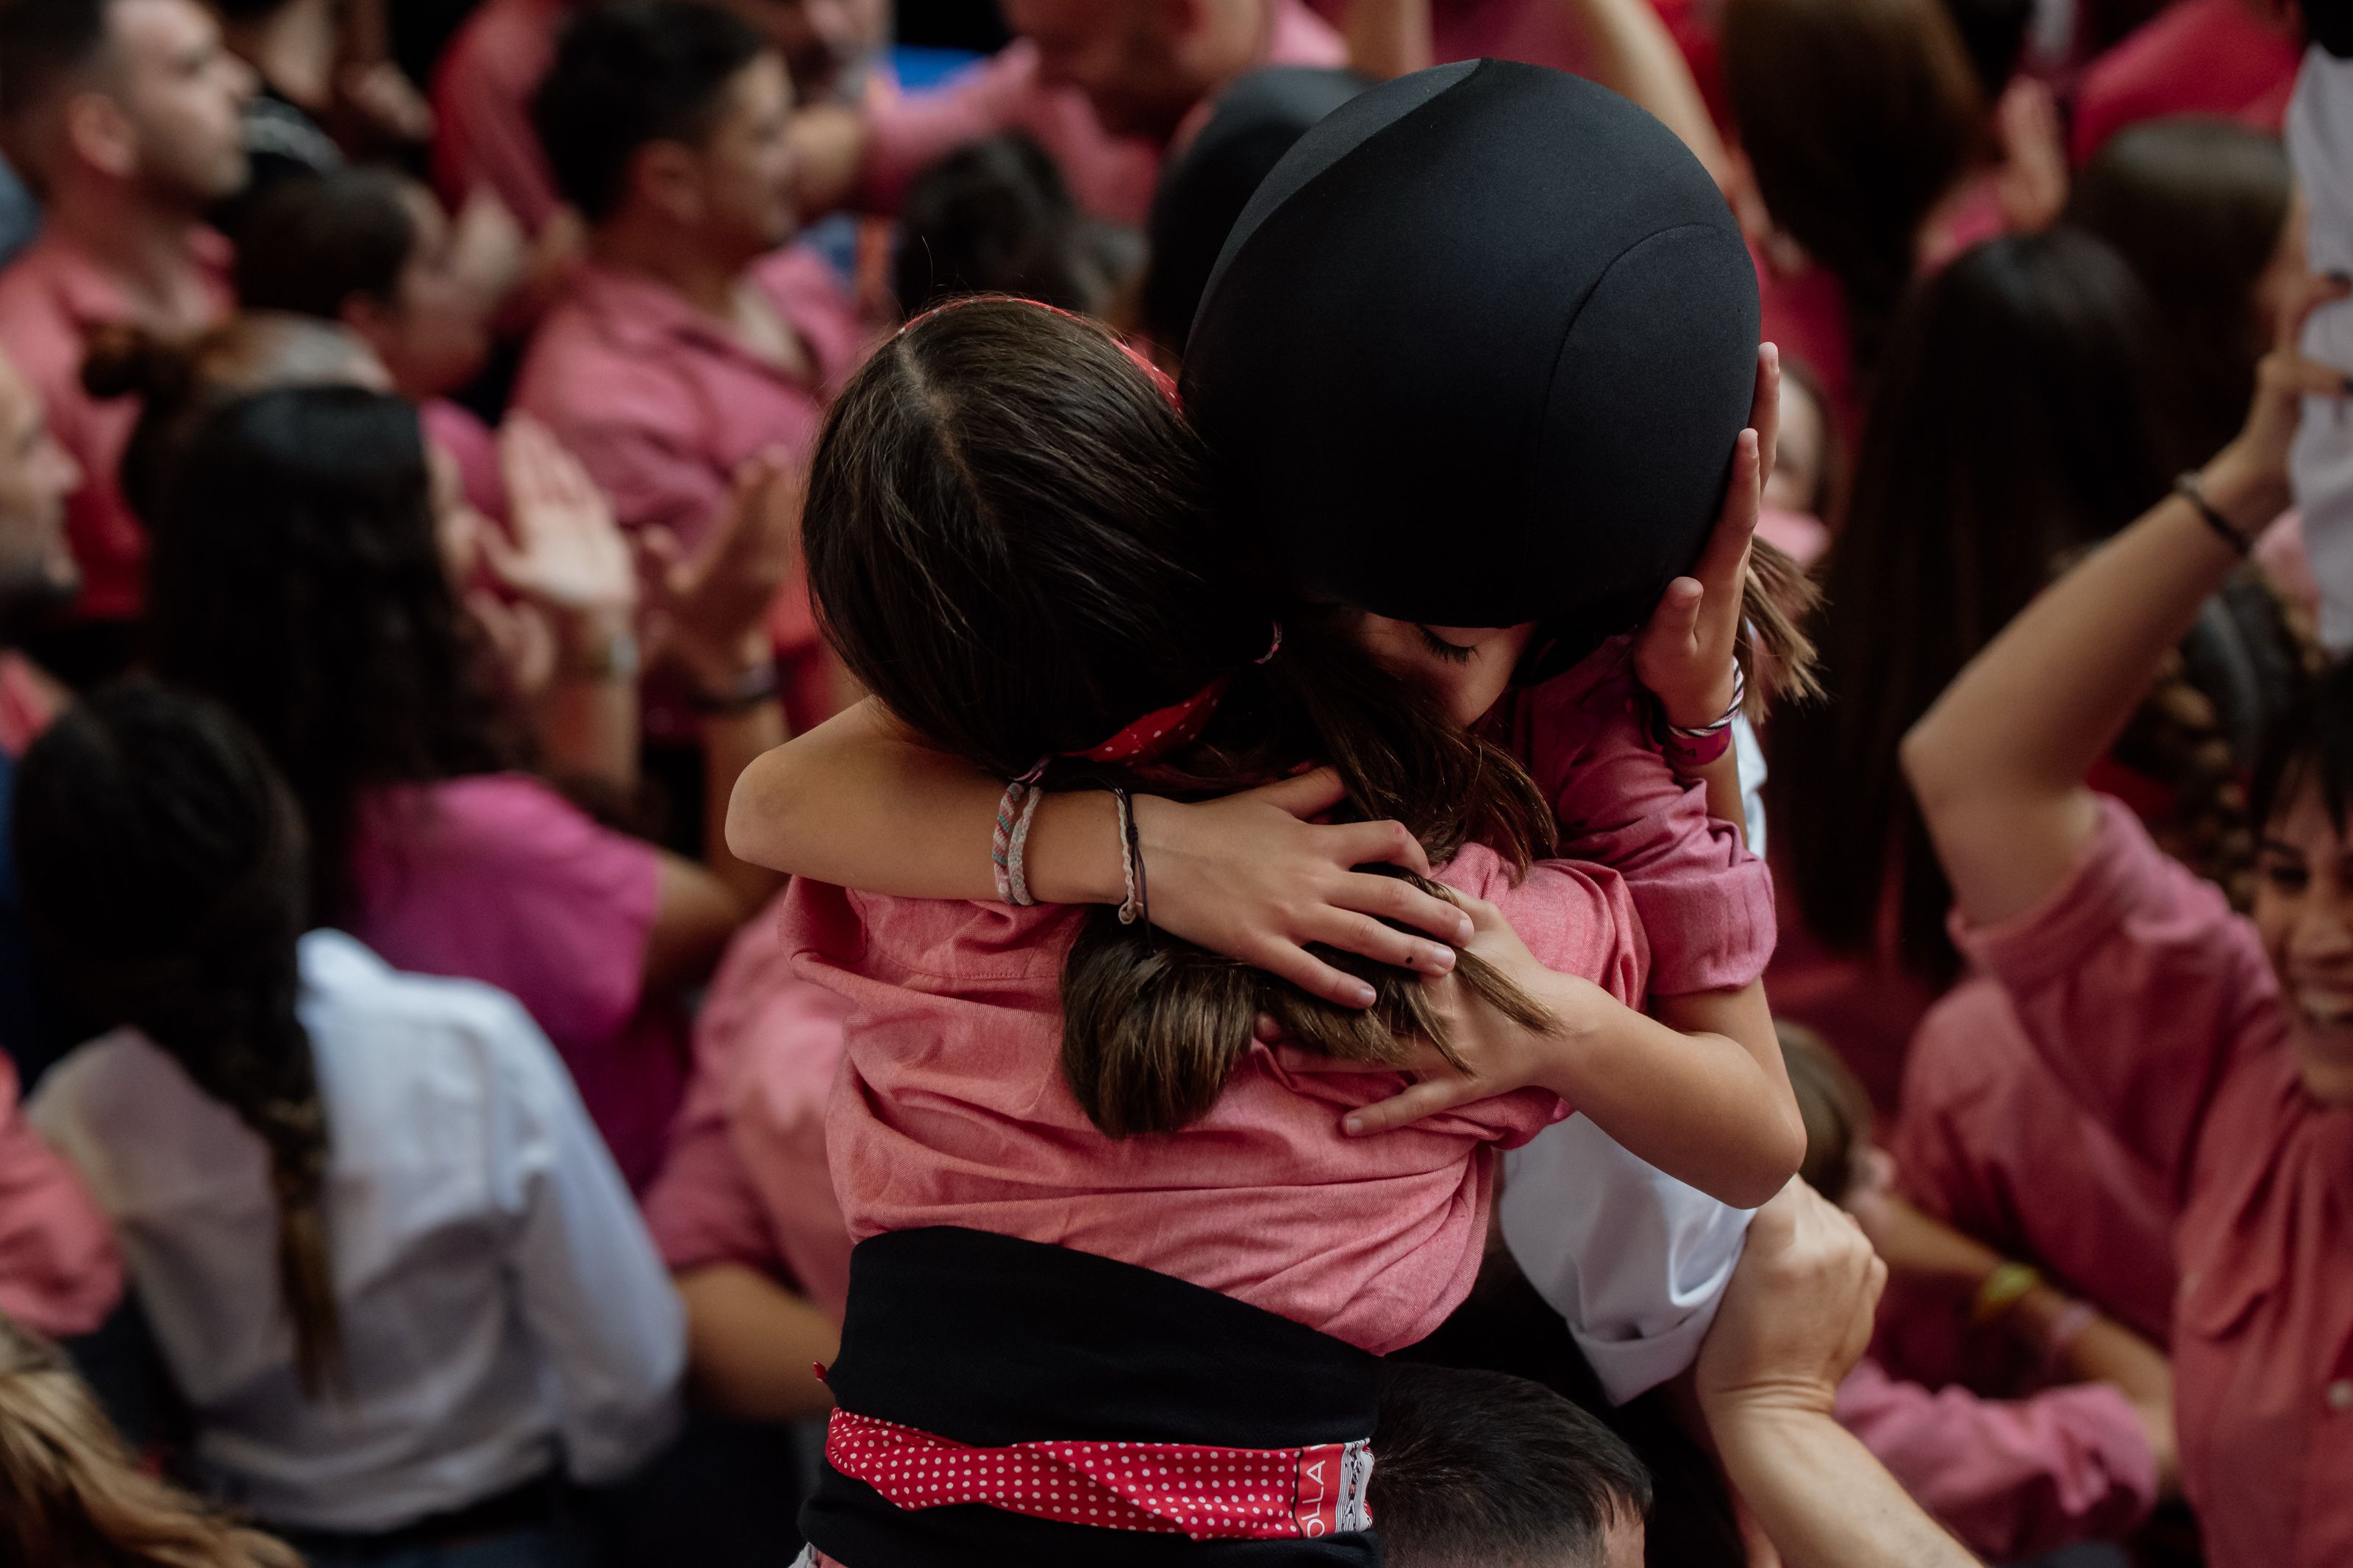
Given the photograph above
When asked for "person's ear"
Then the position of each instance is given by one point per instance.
(94, 128)
(668, 176)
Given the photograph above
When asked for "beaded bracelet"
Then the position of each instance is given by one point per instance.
(1691, 749)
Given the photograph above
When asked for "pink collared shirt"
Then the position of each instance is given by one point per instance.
(662, 404)
(1111, 176)
(59, 1271)
(2155, 1006)
(497, 878)
(1990, 1142)
(482, 136)
(746, 1181)
(50, 297)
(2013, 1479)
(1704, 902)
(951, 1110)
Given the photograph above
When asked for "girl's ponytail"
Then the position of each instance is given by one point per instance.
(163, 866)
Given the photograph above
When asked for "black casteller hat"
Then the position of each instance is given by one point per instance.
(1477, 352)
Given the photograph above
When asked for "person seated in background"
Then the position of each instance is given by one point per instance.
(1205, 184)
(2085, 1460)
(315, 105)
(125, 116)
(388, 1261)
(76, 1492)
(1107, 87)
(373, 249)
(997, 217)
(689, 345)
(310, 572)
(837, 50)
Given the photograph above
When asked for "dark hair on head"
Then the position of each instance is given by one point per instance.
(178, 384)
(1833, 1106)
(296, 578)
(42, 42)
(1481, 1469)
(72, 1492)
(2019, 416)
(160, 860)
(1013, 540)
(995, 216)
(1993, 35)
(2310, 746)
(630, 74)
(2197, 206)
(1858, 116)
(307, 244)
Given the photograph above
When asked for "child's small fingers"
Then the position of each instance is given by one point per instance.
(1427, 1098)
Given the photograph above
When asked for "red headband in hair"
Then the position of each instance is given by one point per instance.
(1160, 380)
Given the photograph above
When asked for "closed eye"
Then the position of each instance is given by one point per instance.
(1452, 653)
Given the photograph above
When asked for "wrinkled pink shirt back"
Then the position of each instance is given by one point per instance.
(951, 1110)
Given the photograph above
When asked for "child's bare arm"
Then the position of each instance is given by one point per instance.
(1700, 1107)
(860, 803)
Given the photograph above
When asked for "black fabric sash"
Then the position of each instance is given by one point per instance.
(990, 1340)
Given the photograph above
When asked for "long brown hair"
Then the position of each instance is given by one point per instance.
(2197, 206)
(2019, 416)
(1858, 117)
(73, 1496)
(1014, 540)
(160, 860)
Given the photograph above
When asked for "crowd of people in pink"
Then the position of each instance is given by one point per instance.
(834, 783)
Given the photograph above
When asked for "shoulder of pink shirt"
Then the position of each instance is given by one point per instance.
(59, 1271)
(2208, 57)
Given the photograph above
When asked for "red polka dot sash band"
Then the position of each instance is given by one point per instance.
(1167, 1488)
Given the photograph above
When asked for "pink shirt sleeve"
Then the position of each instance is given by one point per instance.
(59, 1273)
(482, 133)
(1705, 902)
(2136, 984)
(2012, 1479)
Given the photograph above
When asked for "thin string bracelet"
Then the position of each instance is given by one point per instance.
(2192, 488)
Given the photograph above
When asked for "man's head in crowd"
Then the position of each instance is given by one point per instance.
(1479, 1469)
(137, 95)
(37, 571)
(370, 248)
(827, 45)
(669, 119)
(1144, 64)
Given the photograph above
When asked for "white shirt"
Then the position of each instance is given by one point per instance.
(501, 1305)
(1636, 1261)
(2320, 146)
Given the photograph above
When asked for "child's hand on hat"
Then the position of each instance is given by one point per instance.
(1684, 653)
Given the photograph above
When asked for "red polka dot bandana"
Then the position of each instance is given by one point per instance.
(1162, 1488)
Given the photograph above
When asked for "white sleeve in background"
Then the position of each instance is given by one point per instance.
(1751, 754)
(593, 1291)
(2320, 146)
(1635, 1260)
